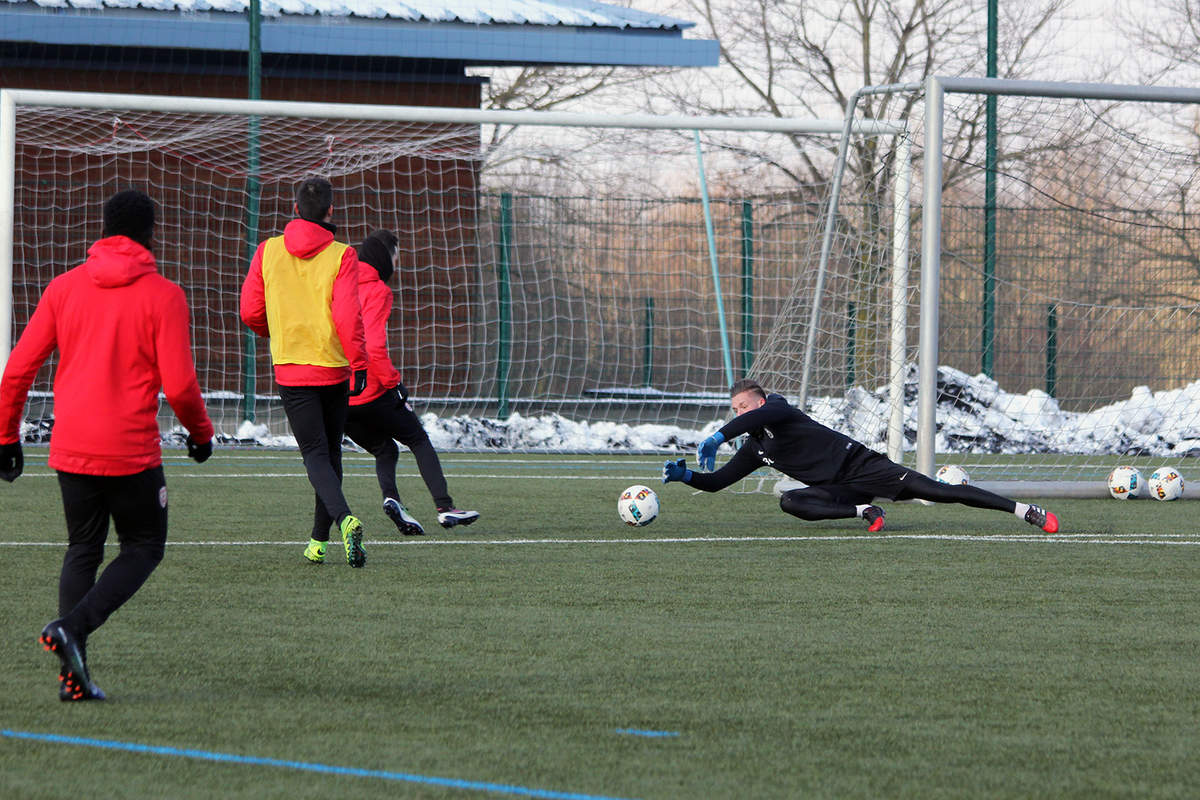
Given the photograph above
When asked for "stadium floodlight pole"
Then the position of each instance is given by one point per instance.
(8, 178)
(712, 260)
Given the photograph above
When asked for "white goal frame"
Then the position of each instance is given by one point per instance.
(931, 244)
(11, 99)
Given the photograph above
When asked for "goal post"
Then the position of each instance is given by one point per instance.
(1092, 361)
(1075, 349)
(1129, 136)
(560, 267)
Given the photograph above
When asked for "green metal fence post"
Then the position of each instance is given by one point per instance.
(851, 332)
(648, 346)
(503, 291)
(747, 286)
(253, 189)
(1052, 349)
(988, 312)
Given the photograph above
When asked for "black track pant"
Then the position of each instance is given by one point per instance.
(137, 506)
(377, 426)
(317, 415)
(838, 502)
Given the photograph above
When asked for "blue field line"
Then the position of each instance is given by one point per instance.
(328, 769)
(649, 734)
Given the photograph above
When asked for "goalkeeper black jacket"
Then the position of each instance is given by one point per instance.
(782, 436)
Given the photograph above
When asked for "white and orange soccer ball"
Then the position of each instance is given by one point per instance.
(1166, 484)
(1125, 483)
(638, 505)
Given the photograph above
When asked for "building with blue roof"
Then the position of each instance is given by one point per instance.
(374, 51)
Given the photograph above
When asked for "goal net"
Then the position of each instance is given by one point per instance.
(566, 281)
(1059, 309)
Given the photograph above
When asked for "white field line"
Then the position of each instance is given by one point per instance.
(450, 458)
(1126, 539)
(172, 474)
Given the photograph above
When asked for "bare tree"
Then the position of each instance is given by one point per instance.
(806, 59)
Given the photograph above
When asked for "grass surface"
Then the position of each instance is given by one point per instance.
(959, 654)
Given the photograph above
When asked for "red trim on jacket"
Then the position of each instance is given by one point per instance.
(122, 332)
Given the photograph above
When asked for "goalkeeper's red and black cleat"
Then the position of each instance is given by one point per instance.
(874, 517)
(1041, 518)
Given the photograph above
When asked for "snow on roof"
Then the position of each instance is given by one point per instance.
(577, 13)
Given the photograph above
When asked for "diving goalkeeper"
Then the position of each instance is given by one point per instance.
(843, 477)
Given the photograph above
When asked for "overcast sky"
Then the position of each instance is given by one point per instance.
(1088, 35)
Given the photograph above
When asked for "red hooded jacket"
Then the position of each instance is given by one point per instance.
(376, 300)
(303, 239)
(122, 332)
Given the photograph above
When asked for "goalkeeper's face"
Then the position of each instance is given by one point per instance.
(746, 401)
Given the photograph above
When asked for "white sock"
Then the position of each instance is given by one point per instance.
(1021, 509)
(858, 510)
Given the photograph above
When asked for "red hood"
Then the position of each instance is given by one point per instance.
(118, 261)
(305, 239)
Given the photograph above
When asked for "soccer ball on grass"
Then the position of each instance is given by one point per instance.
(951, 473)
(1125, 483)
(1166, 484)
(638, 505)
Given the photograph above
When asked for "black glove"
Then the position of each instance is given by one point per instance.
(199, 452)
(360, 382)
(402, 390)
(12, 461)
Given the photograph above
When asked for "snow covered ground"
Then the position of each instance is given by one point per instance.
(974, 414)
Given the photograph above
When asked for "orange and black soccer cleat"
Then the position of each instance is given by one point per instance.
(1041, 518)
(874, 517)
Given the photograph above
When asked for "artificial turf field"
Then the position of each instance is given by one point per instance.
(725, 651)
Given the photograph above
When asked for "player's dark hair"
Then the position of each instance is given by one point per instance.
(746, 385)
(377, 250)
(130, 213)
(314, 198)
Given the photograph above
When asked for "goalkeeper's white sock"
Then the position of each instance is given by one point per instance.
(858, 510)
(1020, 510)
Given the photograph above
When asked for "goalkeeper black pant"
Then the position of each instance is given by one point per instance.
(137, 506)
(317, 416)
(839, 501)
(377, 426)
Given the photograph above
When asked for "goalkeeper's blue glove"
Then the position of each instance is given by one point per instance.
(676, 471)
(706, 454)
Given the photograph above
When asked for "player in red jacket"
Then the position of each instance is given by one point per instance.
(302, 292)
(121, 330)
(380, 416)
